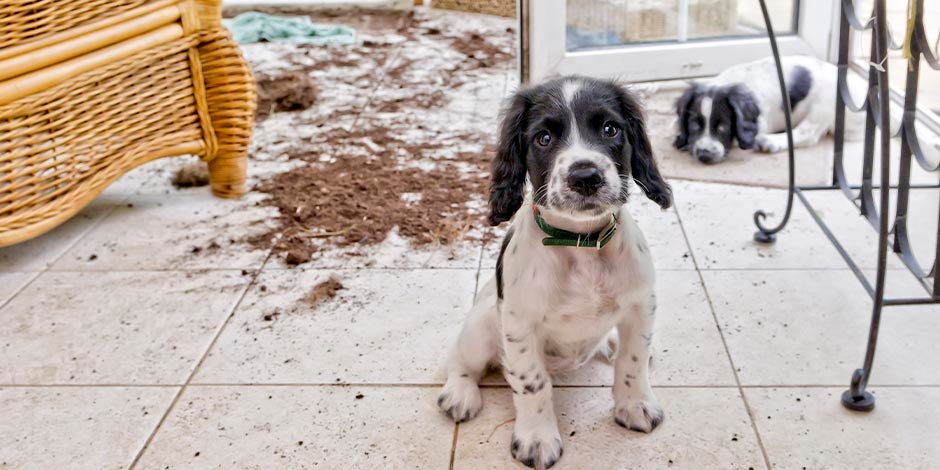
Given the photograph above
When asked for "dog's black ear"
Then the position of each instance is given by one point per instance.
(642, 164)
(746, 113)
(682, 108)
(507, 180)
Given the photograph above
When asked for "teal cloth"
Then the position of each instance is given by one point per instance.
(257, 27)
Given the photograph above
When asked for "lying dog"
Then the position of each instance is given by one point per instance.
(744, 103)
(574, 276)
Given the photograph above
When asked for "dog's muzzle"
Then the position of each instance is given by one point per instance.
(585, 178)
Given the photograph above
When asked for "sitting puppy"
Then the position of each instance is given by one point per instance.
(574, 275)
(745, 103)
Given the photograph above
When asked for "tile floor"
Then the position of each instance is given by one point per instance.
(124, 343)
(179, 362)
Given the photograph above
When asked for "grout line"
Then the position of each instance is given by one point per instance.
(20, 289)
(417, 268)
(208, 270)
(68, 248)
(453, 448)
(380, 80)
(479, 266)
(192, 374)
(724, 342)
(437, 385)
(476, 281)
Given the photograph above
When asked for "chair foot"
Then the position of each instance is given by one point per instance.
(766, 238)
(865, 403)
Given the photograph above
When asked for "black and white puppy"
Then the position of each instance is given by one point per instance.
(551, 308)
(744, 103)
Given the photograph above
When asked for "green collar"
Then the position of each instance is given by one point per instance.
(559, 237)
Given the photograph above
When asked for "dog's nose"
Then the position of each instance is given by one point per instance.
(585, 178)
(705, 156)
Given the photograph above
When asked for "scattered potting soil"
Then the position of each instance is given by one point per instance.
(325, 290)
(397, 156)
(191, 175)
(286, 91)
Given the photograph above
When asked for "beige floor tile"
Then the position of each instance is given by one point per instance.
(183, 230)
(77, 427)
(718, 220)
(846, 223)
(809, 428)
(38, 253)
(704, 428)
(860, 239)
(688, 348)
(661, 229)
(385, 326)
(11, 283)
(113, 328)
(303, 427)
(811, 327)
(154, 177)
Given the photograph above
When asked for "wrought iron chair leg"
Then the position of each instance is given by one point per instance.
(856, 398)
(769, 234)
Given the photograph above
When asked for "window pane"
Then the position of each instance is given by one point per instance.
(599, 23)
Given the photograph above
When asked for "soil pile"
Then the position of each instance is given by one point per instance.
(386, 144)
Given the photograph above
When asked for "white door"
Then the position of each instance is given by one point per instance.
(641, 40)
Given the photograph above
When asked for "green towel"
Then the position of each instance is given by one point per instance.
(257, 27)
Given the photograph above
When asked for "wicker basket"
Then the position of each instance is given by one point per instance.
(651, 20)
(505, 8)
(94, 89)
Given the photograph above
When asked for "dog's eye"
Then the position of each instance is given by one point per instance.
(543, 138)
(722, 128)
(611, 130)
(694, 126)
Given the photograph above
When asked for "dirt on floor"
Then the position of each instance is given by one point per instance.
(389, 167)
(287, 91)
(191, 175)
(323, 291)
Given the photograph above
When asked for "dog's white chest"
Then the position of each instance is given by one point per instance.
(586, 295)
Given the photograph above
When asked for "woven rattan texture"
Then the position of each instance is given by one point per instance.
(34, 19)
(489, 7)
(84, 133)
(59, 146)
(231, 101)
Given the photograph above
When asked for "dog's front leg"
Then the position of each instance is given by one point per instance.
(635, 406)
(535, 440)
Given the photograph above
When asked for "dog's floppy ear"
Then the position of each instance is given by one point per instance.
(642, 164)
(507, 180)
(746, 113)
(682, 108)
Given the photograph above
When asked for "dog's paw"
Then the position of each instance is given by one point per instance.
(639, 415)
(537, 447)
(460, 399)
(768, 144)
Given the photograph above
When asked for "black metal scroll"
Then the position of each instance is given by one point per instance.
(876, 107)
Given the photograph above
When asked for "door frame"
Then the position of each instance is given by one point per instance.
(542, 24)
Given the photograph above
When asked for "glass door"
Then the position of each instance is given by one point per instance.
(641, 40)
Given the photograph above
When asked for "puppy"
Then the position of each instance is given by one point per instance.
(574, 274)
(744, 103)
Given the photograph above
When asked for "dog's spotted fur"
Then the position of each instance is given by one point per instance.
(744, 104)
(552, 308)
